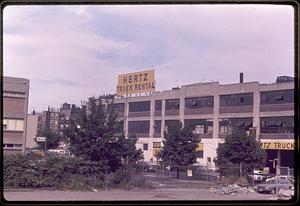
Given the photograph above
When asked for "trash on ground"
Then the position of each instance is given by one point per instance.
(232, 189)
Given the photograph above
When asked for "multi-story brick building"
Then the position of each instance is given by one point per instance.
(50, 119)
(211, 109)
(64, 117)
(15, 107)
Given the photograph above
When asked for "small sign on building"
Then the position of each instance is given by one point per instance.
(40, 139)
(189, 173)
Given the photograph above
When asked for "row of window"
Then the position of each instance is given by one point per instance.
(283, 124)
(242, 99)
(12, 146)
(13, 124)
(14, 94)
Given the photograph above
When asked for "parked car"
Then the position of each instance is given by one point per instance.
(270, 187)
(203, 172)
(282, 177)
(149, 168)
(259, 176)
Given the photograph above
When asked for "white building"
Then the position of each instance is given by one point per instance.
(211, 108)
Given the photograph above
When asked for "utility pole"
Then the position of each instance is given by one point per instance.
(277, 171)
(275, 166)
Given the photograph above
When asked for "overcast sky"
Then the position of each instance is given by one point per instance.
(72, 52)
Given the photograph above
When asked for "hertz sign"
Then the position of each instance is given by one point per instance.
(137, 82)
(278, 145)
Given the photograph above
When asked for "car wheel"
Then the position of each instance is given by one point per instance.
(273, 191)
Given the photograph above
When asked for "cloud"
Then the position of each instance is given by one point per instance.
(71, 52)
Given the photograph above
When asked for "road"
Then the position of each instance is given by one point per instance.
(117, 195)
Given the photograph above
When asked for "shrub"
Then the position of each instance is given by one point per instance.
(55, 171)
(121, 177)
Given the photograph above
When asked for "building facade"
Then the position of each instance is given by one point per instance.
(50, 119)
(64, 117)
(15, 107)
(212, 109)
(31, 131)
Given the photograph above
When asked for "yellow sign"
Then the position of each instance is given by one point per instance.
(156, 144)
(136, 82)
(278, 145)
(200, 147)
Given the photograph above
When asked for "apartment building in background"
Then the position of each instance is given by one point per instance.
(212, 109)
(15, 107)
(50, 119)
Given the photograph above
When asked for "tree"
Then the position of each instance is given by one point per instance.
(179, 147)
(240, 152)
(128, 151)
(52, 139)
(95, 135)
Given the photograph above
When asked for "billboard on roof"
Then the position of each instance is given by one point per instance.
(136, 82)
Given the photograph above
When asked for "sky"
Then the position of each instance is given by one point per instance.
(72, 52)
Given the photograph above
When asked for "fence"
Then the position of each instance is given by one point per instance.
(198, 173)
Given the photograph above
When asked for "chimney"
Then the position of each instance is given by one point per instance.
(241, 77)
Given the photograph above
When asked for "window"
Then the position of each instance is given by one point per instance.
(198, 102)
(119, 107)
(171, 123)
(158, 105)
(139, 106)
(138, 127)
(279, 125)
(157, 126)
(145, 147)
(19, 125)
(199, 154)
(172, 104)
(199, 125)
(13, 124)
(243, 99)
(277, 97)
